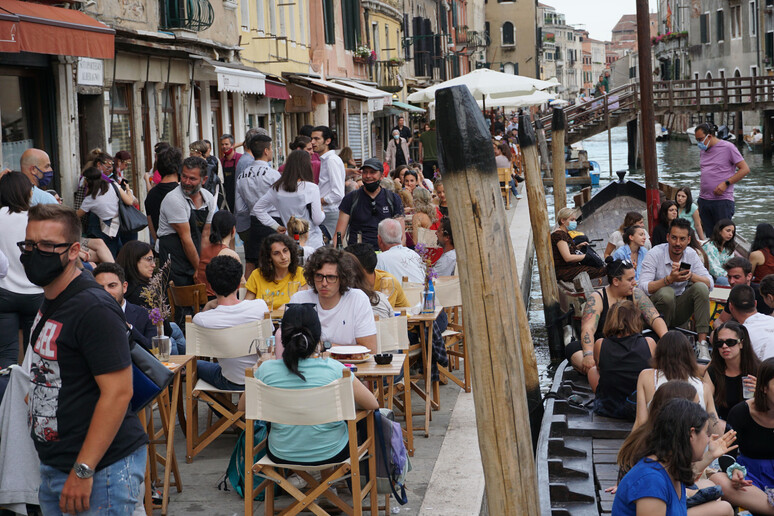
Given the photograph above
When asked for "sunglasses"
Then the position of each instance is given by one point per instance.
(727, 342)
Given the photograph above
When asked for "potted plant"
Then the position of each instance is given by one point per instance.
(364, 55)
(395, 61)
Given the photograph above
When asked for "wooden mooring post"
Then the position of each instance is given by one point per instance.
(541, 235)
(558, 124)
(489, 287)
(545, 164)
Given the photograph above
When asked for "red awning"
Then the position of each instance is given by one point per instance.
(44, 29)
(276, 90)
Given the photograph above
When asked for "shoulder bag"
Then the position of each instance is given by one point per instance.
(131, 219)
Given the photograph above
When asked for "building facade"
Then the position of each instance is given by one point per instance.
(513, 37)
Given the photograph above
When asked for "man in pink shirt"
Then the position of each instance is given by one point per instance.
(722, 166)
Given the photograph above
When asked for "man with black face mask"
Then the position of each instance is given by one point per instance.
(80, 378)
(364, 208)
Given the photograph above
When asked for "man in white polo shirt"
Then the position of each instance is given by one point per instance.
(394, 258)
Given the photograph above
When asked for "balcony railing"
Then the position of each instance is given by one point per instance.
(194, 15)
(386, 75)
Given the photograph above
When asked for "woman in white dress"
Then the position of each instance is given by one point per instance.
(294, 195)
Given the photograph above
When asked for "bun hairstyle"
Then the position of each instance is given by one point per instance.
(222, 224)
(301, 333)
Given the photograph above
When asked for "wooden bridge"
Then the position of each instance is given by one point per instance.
(622, 104)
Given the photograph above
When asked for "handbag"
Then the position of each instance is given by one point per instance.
(131, 219)
(149, 377)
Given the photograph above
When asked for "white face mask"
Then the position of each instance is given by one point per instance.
(396, 136)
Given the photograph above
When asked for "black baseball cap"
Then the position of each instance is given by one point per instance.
(374, 164)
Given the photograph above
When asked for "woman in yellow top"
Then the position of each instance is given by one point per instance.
(279, 274)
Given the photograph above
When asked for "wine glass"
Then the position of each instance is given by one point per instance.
(387, 286)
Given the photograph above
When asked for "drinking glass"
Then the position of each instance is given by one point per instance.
(387, 286)
(293, 287)
(162, 344)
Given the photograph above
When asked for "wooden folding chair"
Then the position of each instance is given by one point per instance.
(448, 295)
(413, 291)
(392, 335)
(190, 296)
(316, 406)
(504, 176)
(234, 342)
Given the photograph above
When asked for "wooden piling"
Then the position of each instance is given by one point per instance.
(489, 288)
(632, 143)
(541, 235)
(767, 146)
(540, 131)
(558, 125)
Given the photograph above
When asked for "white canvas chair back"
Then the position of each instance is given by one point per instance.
(315, 406)
(447, 291)
(233, 342)
(427, 237)
(413, 292)
(391, 333)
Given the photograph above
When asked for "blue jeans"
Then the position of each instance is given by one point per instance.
(211, 373)
(116, 489)
(176, 340)
(722, 281)
(711, 212)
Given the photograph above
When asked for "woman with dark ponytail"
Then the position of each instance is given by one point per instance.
(301, 368)
(221, 236)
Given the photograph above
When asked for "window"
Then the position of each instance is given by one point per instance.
(486, 32)
(509, 68)
(549, 56)
(753, 19)
(259, 11)
(508, 36)
(350, 17)
(328, 23)
(736, 21)
(704, 27)
(245, 15)
(121, 129)
(720, 25)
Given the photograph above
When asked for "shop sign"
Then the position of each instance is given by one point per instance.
(90, 72)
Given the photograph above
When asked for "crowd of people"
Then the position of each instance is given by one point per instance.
(329, 241)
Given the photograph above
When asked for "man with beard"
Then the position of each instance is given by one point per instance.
(186, 214)
(364, 208)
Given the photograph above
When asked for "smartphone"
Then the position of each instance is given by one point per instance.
(685, 266)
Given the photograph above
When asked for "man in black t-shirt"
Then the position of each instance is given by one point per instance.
(168, 163)
(405, 132)
(91, 447)
(363, 209)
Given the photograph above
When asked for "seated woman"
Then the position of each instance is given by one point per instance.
(666, 214)
(567, 257)
(637, 445)
(344, 310)
(299, 369)
(734, 364)
(720, 248)
(688, 210)
(410, 181)
(396, 174)
(762, 252)
(621, 356)
(300, 227)
(753, 421)
(633, 249)
(440, 195)
(277, 268)
(674, 359)
(380, 303)
(632, 218)
(222, 231)
(426, 215)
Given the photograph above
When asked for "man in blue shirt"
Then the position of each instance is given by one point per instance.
(36, 165)
(363, 209)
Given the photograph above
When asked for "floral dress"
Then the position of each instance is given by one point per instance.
(716, 258)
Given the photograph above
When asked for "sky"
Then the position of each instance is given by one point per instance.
(596, 16)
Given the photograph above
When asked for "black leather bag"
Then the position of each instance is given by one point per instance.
(131, 219)
(149, 377)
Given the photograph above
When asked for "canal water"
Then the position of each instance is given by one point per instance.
(678, 165)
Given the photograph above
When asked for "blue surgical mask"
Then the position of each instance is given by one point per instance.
(701, 145)
(572, 225)
(396, 136)
(48, 176)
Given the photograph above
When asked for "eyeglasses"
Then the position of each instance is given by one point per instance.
(617, 265)
(149, 259)
(44, 248)
(373, 207)
(727, 342)
(332, 279)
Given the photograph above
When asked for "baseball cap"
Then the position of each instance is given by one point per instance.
(374, 164)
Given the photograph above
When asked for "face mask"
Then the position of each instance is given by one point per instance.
(44, 181)
(572, 225)
(396, 136)
(42, 270)
(701, 145)
(371, 187)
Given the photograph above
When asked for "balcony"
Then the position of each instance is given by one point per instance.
(193, 15)
(669, 42)
(386, 75)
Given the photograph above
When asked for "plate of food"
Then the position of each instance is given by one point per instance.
(350, 354)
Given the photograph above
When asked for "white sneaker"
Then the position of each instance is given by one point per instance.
(703, 355)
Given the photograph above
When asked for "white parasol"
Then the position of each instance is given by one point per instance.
(485, 82)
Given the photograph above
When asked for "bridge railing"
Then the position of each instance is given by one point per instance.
(682, 96)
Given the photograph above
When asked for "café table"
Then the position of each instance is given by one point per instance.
(423, 322)
(168, 410)
(371, 371)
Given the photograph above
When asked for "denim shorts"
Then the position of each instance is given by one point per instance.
(116, 490)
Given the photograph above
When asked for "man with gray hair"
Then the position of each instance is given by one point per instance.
(394, 258)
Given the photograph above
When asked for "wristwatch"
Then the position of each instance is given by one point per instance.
(82, 470)
(588, 353)
(728, 183)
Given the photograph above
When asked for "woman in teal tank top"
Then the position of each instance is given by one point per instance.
(686, 209)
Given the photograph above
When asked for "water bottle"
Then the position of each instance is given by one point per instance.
(428, 306)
